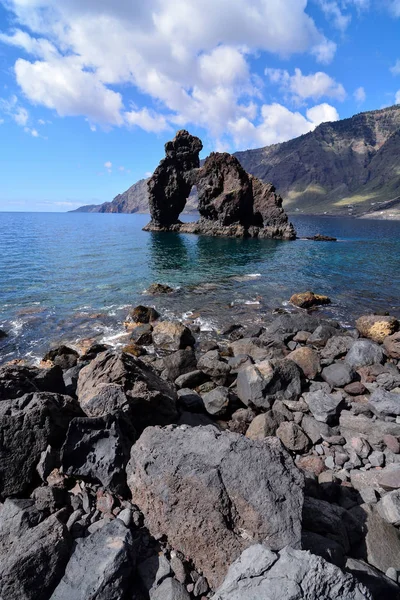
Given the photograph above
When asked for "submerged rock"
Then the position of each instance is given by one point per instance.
(309, 299)
(214, 493)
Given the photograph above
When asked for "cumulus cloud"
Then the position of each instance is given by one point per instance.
(190, 59)
(360, 95)
(301, 87)
(279, 124)
(333, 12)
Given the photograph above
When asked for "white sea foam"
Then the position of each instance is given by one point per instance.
(204, 324)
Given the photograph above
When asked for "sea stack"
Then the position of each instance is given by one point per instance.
(231, 202)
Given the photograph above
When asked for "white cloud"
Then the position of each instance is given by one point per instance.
(279, 124)
(394, 7)
(13, 109)
(397, 99)
(149, 121)
(360, 95)
(33, 132)
(334, 14)
(21, 116)
(395, 70)
(108, 164)
(190, 58)
(301, 87)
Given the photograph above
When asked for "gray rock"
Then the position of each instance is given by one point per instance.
(190, 400)
(377, 459)
(178, 363)
(292, 437)
(172, 335)
(243, 491)
(375, 431)
(28, 425)
(291, 324)
(115, 381)
(216, 402)
(331, 521)
(315, 430)
(364, 353)
(261, 384)
(264, 425)
(389, 507)
(100, 566)
(237, 363)
(369, 495)
(288, 575)
(336, 347)
(384, 404)
(17, 380)
(381, 541)
(324, 547)
(190, 380)
(380, 586)
(324, 407)
(169, 589)
(337, 374)
(153, 571)
(321, 335)
(98, 449)
(212, 365)
(252, 347)
(33, 554)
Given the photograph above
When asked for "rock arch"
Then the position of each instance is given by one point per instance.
(231, 202)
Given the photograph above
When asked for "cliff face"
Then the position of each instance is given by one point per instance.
(349, 166)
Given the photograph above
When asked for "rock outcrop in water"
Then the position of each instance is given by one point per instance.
(231, 202)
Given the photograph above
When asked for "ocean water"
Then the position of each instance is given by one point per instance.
(68, 277)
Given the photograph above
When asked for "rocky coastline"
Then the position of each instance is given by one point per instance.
(262, 462)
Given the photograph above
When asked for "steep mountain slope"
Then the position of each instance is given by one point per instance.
(353, 162)
(345, 167)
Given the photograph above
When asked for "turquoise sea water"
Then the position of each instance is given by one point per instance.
(64, 277)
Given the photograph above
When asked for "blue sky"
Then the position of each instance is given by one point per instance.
(90, 90)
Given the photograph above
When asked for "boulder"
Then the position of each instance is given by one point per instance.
(261, 384)
(324, 407)
(389, 507)
(308, 361)
(214, 493)
(392, 345)
(381, 541)
(98, 449)
(322, 546)
(289, 324)
(17, 380)
(374, 431)
(376, 327)
(190, 400)
(374, 580)
(115, 381)
(191, 379)
(337, 374)
(336, 347)
(254, 348)
(33, 554)
(142, 314)
(384, 404)
(264, 425)
(212, 365)
(315, 430)
(156, 289)
(309, 299)
(216, 402)
(179, 363)
(172, 336)
(27, 426)
(63, 357)
(142, 335)
(287, 575)
(100, 567)
(321, 336)
(363, 353)
(169, 589)
(331, 521)
(292, 437)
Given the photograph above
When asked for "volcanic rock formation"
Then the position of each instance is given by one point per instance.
(231, 202)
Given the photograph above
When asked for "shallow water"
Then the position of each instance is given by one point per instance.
(70, 276)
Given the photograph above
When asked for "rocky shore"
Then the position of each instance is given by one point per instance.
(262, 463)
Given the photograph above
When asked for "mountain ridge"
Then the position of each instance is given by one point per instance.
(346, 167)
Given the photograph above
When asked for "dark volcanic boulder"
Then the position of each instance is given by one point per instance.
(118, 381)
(267, 208)
(287, 575)
(63, 356)
(100, 566)
(172, 180)
(98, 449)
(33, 554)
(27, 426)
(172, 335)
(17, 380)
(214, 493)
